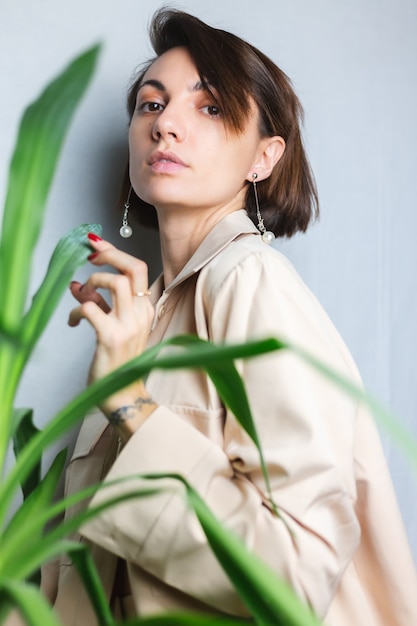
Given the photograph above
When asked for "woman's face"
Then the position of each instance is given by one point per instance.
(181, 153)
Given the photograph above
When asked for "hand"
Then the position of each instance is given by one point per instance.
(122, 329)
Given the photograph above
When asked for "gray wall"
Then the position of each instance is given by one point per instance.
(353, 66)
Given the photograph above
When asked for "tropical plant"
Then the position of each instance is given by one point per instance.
(26, 547)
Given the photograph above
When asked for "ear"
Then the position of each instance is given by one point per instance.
(270, 151)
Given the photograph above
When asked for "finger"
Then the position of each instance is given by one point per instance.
(74, 317)
(97, 243)
(121, 294)
(89, 311)
(86, 293)
(134, 268)
(122, 340)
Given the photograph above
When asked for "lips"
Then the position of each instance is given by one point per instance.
(165, 158)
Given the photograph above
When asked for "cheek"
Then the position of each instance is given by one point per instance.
(134, 143)
(138, 136)
(236, 159)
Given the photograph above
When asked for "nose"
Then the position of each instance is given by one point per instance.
(170, 123)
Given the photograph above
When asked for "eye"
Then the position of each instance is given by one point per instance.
(150, 107)
(212, 110)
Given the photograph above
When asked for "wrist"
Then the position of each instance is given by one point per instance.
(126, 418)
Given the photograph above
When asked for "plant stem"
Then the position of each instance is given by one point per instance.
(7, 392)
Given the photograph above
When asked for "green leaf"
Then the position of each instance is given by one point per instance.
(19, 562)
(226, 379)
(24, 431)
(269, 599)
(194, 356)
(385, 418)
(12, 339)
(266, 596)
(199, 356)
(26, 563)
(85, 566)
(34, 506)
(88, 572)
(30, 602)
(40, 139)
(70, 254)
(230, 387)
(187, 619)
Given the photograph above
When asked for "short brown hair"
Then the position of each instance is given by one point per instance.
(240, 73)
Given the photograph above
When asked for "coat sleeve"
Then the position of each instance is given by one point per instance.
(306, 429)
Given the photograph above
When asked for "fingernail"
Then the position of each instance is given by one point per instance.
(92, 256)
(94, 237)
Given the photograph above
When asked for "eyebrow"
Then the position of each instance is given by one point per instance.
(198, 86)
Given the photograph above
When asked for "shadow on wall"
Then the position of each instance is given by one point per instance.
(110, 158)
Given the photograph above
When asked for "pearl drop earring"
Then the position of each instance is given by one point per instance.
(126, 230)
(267, 236)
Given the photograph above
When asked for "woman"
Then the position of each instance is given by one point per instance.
(214, 140)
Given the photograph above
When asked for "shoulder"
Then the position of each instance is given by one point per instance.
(246, 262)
(251, 289)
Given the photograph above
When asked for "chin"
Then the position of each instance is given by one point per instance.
(169, 199)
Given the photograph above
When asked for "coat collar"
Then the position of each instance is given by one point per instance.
(226, 230)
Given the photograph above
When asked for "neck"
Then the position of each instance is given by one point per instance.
(182, 231)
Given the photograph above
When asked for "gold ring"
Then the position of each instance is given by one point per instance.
(140, 294)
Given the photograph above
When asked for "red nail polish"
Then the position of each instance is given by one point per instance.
(92, 256)
(94, 237)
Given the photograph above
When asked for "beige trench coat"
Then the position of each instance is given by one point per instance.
(347, 555)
